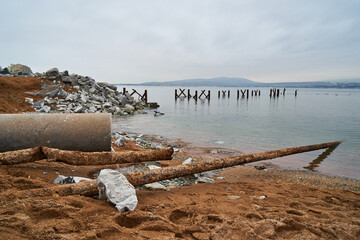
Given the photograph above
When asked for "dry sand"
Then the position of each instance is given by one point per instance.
(297, 204)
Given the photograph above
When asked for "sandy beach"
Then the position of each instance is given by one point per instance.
(243, 203)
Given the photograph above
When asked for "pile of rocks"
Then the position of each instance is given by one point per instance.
(84, 95)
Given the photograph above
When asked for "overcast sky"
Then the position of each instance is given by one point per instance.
(138, 41)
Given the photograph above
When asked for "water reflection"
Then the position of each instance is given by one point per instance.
(315, 164)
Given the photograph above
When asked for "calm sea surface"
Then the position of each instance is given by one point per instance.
(261, 123)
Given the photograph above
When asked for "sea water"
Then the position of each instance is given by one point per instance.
(260, 123)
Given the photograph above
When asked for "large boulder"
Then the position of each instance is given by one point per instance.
(4, 71)
(54, 72)
(19, 69)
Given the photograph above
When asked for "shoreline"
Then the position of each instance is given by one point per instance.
(194, 148)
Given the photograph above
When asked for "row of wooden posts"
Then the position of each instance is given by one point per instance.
(195, 96)
(180, 93)
(206, 94)
(143, 97)
(275, 92)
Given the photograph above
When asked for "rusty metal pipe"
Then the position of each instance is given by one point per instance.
(102, 158)
(83, 158)
(140, 178)
(89, 188)
(89, 132)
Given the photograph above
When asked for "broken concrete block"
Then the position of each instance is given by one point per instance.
(114, 187)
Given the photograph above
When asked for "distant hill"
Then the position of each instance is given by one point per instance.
(219, 81)
(243, 82)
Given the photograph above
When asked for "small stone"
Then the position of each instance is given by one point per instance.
(152, 167)
(188, 161)
(227, 151)
(141, 112)
(52, 72)
(262, 167)
(65, 73)
(262, 197)
(92, 90)
(29, 100)
(78, 109)
(65, 180)
(97, 98)
(84, 98)
(155, 186)
(39, 104)
(107, 104)
(220, 178)
(205, 180)
(129, 108)
(66, 79)
(233, 197)
(214, 151)
(70, 97)
(120, 142)
(45, 109)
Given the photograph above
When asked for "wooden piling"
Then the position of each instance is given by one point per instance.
(145, 96)
(228, 93)
(237, 94)
(278, 92)
(124, 91)
(218, 94)
(208, 96)
(176, 95)
(243, 93)
(247, 93)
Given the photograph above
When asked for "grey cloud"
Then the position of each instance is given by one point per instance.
(137, 41)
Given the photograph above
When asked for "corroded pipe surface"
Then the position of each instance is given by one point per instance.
(83, 132)
(21, 156)
(102, 158)
(83, 158)
(138, 178)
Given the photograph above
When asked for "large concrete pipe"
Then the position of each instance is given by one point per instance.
(83, 132)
